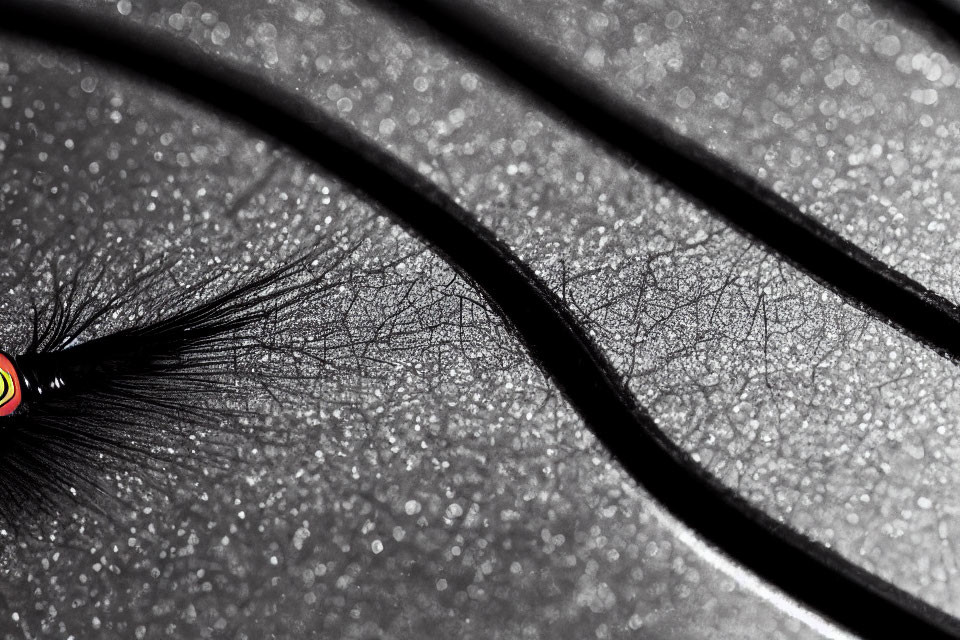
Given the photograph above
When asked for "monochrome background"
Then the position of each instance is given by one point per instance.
(435, 483)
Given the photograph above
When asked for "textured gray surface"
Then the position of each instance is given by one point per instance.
(838, 106)
(819, 414)
(434, 485)
(824, 417)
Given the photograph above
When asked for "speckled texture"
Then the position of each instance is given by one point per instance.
(437, 486)
(837, 106)
(825, 418)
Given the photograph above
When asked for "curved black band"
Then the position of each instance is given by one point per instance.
(727, 191)
(4, 387)
(16, 373)
(814, 575)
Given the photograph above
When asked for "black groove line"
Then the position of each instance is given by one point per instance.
(812, 574)
(725, 190)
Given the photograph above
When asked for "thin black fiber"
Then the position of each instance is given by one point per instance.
(814, 575)
(169, 391)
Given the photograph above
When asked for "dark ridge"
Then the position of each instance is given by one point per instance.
(734, 195)
(814, 575)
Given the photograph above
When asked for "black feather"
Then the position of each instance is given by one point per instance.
(172, 391)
